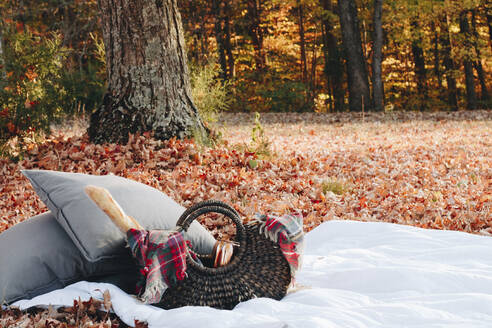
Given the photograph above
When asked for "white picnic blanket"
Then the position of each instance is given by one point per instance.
(356, 275)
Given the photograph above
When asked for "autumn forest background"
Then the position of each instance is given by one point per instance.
(260, 55)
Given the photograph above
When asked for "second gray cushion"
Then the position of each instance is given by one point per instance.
(37, 256)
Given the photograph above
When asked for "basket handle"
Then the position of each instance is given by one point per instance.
(212, 206)
(211, 202)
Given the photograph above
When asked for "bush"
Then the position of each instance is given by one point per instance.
(84, 89)
(210, 94)
(85, 82)
(286, 96)
(273, 94)
(31, 94)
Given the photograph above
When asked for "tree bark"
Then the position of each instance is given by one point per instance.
(302, 41)
(148, 82)
(449, 66)
(471, 96)
(333, 68)
(359, 93)
(255, 31)
(377, 57)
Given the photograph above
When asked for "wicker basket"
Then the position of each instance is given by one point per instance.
(257, 269)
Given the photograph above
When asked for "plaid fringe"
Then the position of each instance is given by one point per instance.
(287, 231)
(162, 257)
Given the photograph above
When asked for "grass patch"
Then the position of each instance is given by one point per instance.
(335, 186)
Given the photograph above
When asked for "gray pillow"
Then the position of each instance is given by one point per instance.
(90, 229)
(37, 256)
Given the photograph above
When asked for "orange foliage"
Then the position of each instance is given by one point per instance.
(427, 170)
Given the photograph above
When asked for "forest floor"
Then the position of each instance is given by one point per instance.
(431, 170)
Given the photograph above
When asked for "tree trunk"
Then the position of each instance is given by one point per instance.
(219, 37)
(478, 62)
(484, 95)
(314, 64)
(471, 96)
(333, 67)
(148, 82)
(420, 71)
(449, 66)
(227, 38)
(377, 57)
(302, 41)
(359, 93)
(419, 61)
(255, 31)
(437, 69)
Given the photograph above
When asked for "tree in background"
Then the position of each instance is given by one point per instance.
(333, 68)
(449, 65)
(488, 16)
(256, 32)
(358, 85)
(478, 61)
(302, 39)
(418, 55)
(221, 11)
(377, 57)
(288, 55)
(148, 83)
(471, 96)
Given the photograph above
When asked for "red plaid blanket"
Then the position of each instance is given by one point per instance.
(162, 258)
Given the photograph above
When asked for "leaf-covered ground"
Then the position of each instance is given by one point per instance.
(431, 170)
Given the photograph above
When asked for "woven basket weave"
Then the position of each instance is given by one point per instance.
(257, 269)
